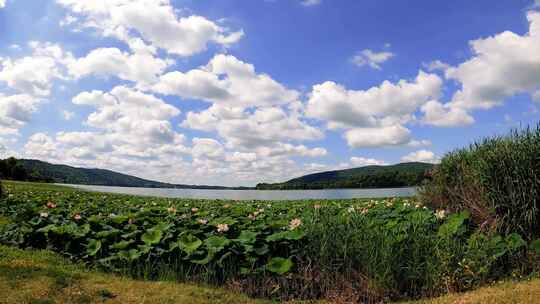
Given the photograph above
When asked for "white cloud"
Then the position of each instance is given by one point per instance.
(141, 67)
(68, 115)
(244, 130)
(420, 156)
(154, 21)
(378, 137)
(2, 3)
(440, 115)
(536, 96)
(362, 161)
(371, 58)
(34, 75)
(311, 2)
(227, 81)
(374, 117)
(15, 112)
(502, 66)
(437, 65)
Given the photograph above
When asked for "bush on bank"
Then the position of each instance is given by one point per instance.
(496, 179)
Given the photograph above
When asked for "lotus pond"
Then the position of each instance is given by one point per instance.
(348, 250)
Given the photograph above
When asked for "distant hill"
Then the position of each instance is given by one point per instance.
(39, 170)
(400, 175)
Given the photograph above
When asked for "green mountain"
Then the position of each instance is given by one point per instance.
(400, 175)
(37, 170)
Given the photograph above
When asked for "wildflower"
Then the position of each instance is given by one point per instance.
(389, 204)
(364, 211)
(202, 221)
(317, 206)
(77, 217)
(171, 210)
(226, 206)
(295, 223)
(350, 209)
(112, 215)
(131, 221)
(194, 209)
(251, 217)
(44, 215)
(222, 227)
(417, 206)
(407, 205)
(440, 214)
(51, 205)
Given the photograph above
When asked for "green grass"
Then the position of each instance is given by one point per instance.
(39, 276)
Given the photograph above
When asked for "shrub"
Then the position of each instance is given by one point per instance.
(496, 179)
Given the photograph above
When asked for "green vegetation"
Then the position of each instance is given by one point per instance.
(497, 180)
(35, 170)
(400, 175)
(39, 276)
(342, 251)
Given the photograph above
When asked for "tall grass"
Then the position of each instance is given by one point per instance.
(497, 179)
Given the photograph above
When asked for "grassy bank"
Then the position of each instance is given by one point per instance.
(30, 276)
(340, 251)
(42, 277)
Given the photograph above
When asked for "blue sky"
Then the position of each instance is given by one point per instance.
(239, 92)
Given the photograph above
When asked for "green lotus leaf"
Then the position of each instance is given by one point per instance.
(279, 265)
(130, 255)
(121, 245)
(262, 250)
(119, 219)
(189, 243)
(247, 237)
(216, 243)
(152, 236)
(535, 246)
(108, 233)
(514, 242)
(292, 235)
(455, 225)
(93, 247)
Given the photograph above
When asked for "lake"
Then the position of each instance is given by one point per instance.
(255, 194)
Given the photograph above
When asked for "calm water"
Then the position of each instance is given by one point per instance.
(256, 194)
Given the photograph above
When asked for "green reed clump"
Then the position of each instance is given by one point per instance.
(497, 179)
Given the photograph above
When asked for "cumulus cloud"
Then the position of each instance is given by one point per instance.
(444, 115)
(373, 117)
(371, 58)
(141, 67)
(386, 136)
(244, 130)
(363, 161)
(2, 3)
(34, 74)
(228, 81)
(154, 21)
(68, 115)
(503, 65)
(420, 156)
(15, 112)
(311, 2)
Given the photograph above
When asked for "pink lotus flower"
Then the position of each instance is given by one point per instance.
(77, 217)
(202, 221)
(222, 227)
(44, 215)
(295, 223)
(194, 209)
(51, 205)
